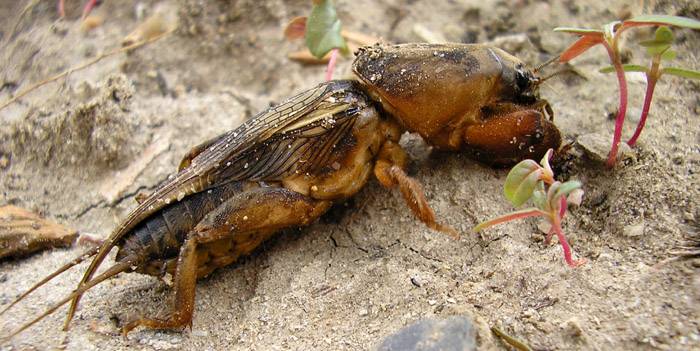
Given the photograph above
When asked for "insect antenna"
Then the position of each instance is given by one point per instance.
(49, 277)
(543, 79)
(122, 266)
(545, 64)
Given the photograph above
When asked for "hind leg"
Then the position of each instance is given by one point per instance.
(185, 281)
(247, 219)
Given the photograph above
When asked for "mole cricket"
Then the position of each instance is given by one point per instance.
(286, 166)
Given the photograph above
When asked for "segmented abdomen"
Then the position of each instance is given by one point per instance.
(161, 235)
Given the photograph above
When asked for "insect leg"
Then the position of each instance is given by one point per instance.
(185, 281)
(264, 209)
(247, 219)
(389, 170)
(513, 136)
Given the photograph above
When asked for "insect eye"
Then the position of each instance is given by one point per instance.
(522, 79)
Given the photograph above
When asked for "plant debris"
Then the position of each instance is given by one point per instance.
(23, 232)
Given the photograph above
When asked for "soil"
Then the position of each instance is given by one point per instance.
(368, 267)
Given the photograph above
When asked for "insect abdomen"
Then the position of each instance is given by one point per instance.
(161, 235)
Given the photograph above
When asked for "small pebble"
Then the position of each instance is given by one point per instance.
(200, 333)
(634, 230)
(417, 281)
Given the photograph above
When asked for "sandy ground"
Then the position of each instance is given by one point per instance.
(345, 282)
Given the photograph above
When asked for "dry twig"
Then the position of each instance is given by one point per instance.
(83, 66)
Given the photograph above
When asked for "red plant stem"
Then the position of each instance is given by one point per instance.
(622, 109)
(88, 7)
(652, 77)
(562, 208)
(556, 226)
(562, 212)
(61, 8)
(331, 64)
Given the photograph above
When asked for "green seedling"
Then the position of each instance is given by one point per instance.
(530, 181)
(322, 32)
(658, 48)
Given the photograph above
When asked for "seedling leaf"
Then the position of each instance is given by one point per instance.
(664, 34)
(545, 160)
(551, 199)
(579, 47)
(681, 72)
(655, 48)
(566, 188)
(521, 182)
(323, 29)
(653, 43)
(677, 21)
(528, 212)
(539, 197)
(625, 67)
(580, 31)
(668, 55)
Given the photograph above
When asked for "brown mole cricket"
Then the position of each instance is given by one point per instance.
(286, 166)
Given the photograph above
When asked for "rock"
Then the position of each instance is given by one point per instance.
(417, 281)
(634, 230)
(23, 232)
(453, 334)
(597, 146)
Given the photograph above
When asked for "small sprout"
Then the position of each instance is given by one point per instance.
(531, 181)
(658, 48)
(322, 31)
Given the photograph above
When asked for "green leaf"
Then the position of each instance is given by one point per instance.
(580, 31)
(656, 49)
(677, 21)
(681, 72)
(661, 42)
(652, 43)
(539, 197)
(668, 55)
(323, 30)
(626, 67)
(566, 188)
(550, 195)
(664, 34)
(521, 182)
